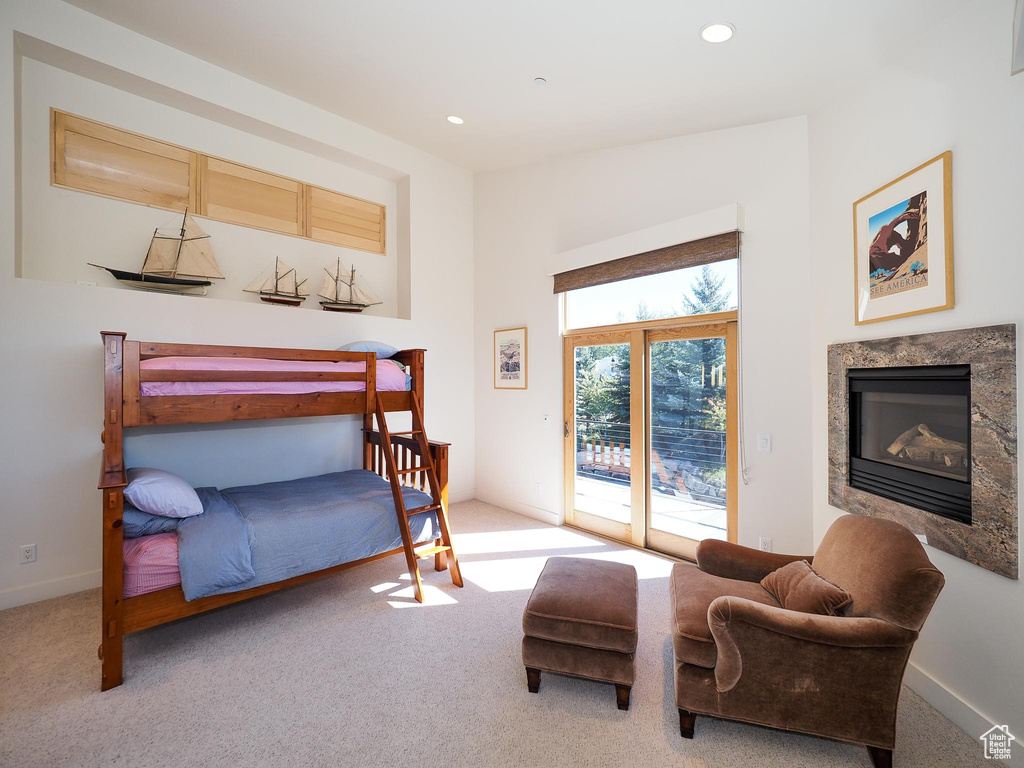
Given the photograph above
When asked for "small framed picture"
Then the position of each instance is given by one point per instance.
(510, 358)
(903, 245)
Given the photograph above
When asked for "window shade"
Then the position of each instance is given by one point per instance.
(694, 253)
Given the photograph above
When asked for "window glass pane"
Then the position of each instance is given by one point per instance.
(691, 291)
(602, 431)
(688, 438)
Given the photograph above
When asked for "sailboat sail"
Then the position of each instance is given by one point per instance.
(184, 251)
(197, 259)
(260, 284)
(329, 287)
(285, 279)
(359, 296)
(163, 253)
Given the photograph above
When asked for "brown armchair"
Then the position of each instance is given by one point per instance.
(739, 655)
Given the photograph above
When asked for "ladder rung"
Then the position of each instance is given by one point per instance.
(421, 553)
(428, 508)
(410, 432)
(407, 470)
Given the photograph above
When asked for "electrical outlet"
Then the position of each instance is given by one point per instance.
(764, 544)
(764, 443)
(27, 553)
(86, 283)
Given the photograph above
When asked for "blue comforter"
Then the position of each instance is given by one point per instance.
(258, 534)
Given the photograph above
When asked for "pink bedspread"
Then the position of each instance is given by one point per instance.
(390, 377)
(150, 563)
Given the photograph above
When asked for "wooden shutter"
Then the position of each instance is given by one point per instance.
(694, 253)
(241, 195)
(344, 220)
(97, 158)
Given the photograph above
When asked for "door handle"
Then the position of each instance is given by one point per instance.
(567, 429)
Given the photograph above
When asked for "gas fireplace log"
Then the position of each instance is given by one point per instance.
(922, 445)
(900, 442)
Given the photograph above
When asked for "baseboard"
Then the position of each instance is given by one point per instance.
(44, 590)
(522, 509)
(969, 719)
(461, 495)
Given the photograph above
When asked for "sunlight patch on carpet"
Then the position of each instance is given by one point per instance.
(529, 540)
(431, 596)
(521, 573)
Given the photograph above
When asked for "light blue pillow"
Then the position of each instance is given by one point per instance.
(379, 348)
(138, 523)
(161, 493)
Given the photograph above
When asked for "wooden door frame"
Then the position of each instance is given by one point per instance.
(639, 335)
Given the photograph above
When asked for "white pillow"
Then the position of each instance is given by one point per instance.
(161, 493)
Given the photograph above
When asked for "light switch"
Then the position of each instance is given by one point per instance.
(764, 443)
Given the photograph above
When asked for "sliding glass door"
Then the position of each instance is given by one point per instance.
(605, 448)
(649, 435)
(691, 397)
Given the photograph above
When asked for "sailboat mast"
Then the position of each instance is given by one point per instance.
(337, 281)
(351, 282)
(181, 240)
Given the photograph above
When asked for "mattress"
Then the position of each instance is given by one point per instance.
(390, 376)
(298, 526)
(150, 563)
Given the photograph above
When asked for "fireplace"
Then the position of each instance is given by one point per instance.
(910, 436)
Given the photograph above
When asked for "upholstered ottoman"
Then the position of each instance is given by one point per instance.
(580, 620)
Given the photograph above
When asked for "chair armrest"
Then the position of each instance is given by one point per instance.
(743, 629)
(731, 561)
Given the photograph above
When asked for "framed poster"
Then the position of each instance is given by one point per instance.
(903, 245)
(510, 358)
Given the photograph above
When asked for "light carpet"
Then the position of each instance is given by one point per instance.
(349, 670)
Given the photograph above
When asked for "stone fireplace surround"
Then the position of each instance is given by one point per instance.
(991, 540)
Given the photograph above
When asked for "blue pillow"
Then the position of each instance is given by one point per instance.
(161, 493)
(379, 348)
(138, 523)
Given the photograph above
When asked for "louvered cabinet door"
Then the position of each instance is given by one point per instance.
(241, 195)
(97, 158)
(343, 220)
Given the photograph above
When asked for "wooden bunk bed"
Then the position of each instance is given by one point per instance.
(402, 458)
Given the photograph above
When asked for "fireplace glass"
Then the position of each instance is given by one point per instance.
(910, 436)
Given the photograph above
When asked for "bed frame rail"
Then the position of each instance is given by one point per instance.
(123, 360)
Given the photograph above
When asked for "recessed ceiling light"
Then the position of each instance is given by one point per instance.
(717, 33)
(455, 120)
(540, 80)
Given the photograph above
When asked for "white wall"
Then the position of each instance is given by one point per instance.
(50, 403)
(950, 90)
(524, 216)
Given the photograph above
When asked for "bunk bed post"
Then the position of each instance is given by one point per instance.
(439, 455)
(371, 383)
(112, 483)
(367, 444)
(416, 370)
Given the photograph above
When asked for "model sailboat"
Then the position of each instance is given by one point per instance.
(177, 262)
(283, 287)
(341, 295)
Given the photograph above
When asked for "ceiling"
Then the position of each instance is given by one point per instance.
(618, 72)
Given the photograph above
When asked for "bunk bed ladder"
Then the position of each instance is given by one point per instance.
(412, 555)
